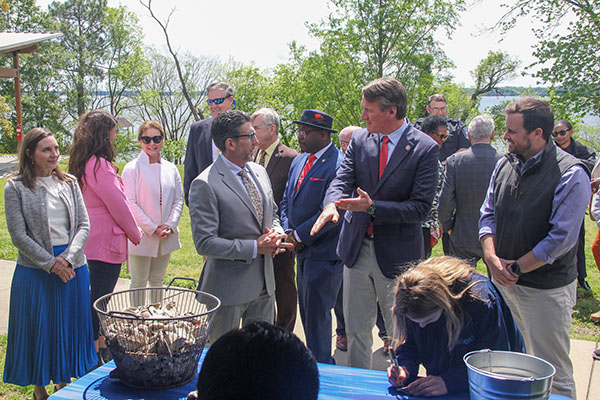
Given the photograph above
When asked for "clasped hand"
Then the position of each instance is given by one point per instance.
(330, 212)
(272, 243)
(163, 231)
(62, 268)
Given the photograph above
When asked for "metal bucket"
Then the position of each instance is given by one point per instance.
(499, 375)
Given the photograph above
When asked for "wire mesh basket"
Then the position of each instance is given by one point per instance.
(156, 335)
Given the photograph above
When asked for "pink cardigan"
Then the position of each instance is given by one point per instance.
(111, 220)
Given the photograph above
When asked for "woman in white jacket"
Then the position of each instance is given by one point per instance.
(153, 188)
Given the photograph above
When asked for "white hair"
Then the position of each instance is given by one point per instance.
(481, 127)
(270, 117)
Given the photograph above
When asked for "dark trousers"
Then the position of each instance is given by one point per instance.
(286, 295)
(426, 242)
(103, 279)
(581, 271)
(340, 329)
(318, 285)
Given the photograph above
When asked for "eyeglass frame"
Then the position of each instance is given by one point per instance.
(248, 135)
(218, 101)
(306, 131)
(148, 139)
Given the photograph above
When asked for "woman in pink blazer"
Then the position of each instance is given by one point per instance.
(111, 220)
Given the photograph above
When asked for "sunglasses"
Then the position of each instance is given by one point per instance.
(443, 136)
(561, 133)
(148, 139)
(217, 101)
(248, 135)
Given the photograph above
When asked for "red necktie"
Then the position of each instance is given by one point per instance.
(383, 157)
(307, 167)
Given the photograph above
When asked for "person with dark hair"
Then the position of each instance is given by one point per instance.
(153, 188)
(386, 184)
(258, 362)
(111, 221)
(529, 225)
(201, 150)
(49, 327)
(562, 134)
(435, 127)
(319, 268)
(456, 130)
(444, 309)
(235, 226)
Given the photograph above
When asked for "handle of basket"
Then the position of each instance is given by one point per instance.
(182, 278)
(126, 313)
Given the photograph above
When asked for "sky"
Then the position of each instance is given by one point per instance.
(260, 31)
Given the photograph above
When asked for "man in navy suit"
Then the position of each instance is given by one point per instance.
(201, 149)
(386, 183)
(319, 269)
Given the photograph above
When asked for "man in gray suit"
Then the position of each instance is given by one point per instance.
(235, 226)
(467, 179)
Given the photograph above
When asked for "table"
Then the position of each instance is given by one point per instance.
(336, 383)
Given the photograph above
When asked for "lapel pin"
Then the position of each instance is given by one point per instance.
(323, 160)
(407, 148)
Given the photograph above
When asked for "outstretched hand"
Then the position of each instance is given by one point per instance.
(360, 203)
(329, 213)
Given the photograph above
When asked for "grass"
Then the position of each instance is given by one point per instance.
(187, 263)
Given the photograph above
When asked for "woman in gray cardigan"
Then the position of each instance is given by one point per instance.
(50, 328)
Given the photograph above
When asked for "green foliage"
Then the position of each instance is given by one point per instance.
(174, 150)
(161, 97)
(6, 128)
(497, 67)
(568, 61)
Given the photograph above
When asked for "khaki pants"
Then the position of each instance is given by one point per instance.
(544, 318)
(147, 271)
(230, 317)
(364, 286)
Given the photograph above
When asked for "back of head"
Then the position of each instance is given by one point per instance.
(481, 128)
(259, 361)
(431, 124)
(91, 138)
(390, 93)
(536, 113)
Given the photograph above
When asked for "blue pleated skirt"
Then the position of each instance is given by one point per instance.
(49, 327)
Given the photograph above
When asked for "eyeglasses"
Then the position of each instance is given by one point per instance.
(217, 101)
(443, 136)
(148, 139)
(561, 133)
(248, 135)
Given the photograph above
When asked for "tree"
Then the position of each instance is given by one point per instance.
(85, 42)
(363, 40)
(497, 67)
(569, 61)
(126, 64)
(41, 101)
(184, 89)
(161, 97)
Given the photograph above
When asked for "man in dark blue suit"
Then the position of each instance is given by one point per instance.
(319, 269)
(386, 183)
(201, 150)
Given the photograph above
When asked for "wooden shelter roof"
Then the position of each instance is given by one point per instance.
(23, 42)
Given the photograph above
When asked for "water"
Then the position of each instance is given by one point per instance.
(488, 101)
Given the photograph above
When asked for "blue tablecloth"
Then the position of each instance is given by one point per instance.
(336, 383)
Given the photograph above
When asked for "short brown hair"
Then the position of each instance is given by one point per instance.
(150, 124)
(536, 113)
(436, 97)
(390, 93)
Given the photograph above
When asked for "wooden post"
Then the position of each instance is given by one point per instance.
(19, 127)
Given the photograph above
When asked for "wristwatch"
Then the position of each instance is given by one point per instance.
(516, 269)
(371, 209)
